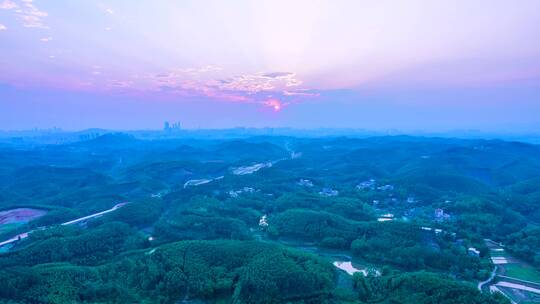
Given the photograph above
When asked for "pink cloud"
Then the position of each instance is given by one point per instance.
(267, 89)
(270, 90)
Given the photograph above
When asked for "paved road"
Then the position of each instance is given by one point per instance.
(491, 277)
(15, 238)
(82, 219)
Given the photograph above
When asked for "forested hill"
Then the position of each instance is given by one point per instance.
(266, 219)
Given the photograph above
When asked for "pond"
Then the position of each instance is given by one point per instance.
(349, 268)
(341, 259)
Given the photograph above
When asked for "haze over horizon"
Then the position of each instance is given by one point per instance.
(377, 65)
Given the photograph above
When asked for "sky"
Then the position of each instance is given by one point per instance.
(405, 65)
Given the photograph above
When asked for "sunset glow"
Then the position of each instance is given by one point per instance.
(233, 58)
(274, 104)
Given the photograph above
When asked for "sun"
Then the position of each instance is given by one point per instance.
(275, 104)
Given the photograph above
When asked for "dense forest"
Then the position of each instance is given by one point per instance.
(120, 219)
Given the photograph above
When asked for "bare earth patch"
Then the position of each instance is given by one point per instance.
(20, 215)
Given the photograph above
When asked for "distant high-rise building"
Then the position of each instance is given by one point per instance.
(166, 126)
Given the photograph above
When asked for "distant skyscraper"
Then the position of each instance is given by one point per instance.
(175, 126)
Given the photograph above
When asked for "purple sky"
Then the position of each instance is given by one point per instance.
(408, 65)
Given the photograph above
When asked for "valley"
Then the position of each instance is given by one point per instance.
(208, 220)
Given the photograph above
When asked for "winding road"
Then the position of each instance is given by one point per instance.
(491, 277)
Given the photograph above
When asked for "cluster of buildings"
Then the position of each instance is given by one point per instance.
(175, 126)
(295, 155)
(328, 192)
(371, 184)
(440, 215)
(325, 192)
(436, 230)
(236, 193)
(305, 183)
(366, 185)
(385, 188)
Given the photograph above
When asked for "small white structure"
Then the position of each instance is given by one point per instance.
(263, 221)
(473, 252)
(386, 217)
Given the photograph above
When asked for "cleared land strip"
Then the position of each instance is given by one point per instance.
(518, 286)
(519, 281)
